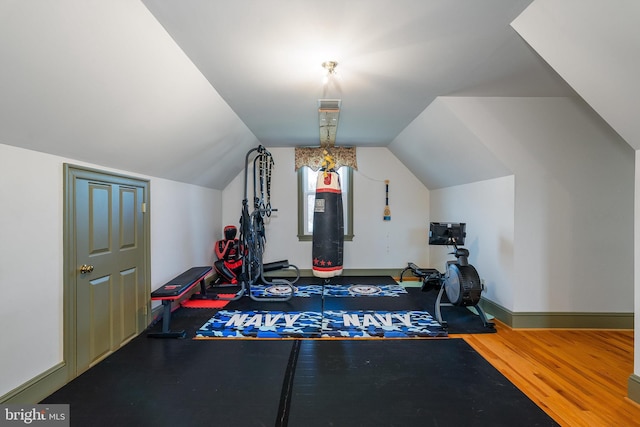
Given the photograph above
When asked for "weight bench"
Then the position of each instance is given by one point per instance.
(175, 290)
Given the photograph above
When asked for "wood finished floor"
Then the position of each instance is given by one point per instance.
(578, 377)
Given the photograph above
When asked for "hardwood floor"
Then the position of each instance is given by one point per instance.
(579, 377)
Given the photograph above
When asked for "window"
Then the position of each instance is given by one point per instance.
(307, 196)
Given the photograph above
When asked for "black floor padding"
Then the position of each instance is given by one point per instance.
(183, 383)
(301, 383)
(404, 383)
(460, 320)
(296, 383)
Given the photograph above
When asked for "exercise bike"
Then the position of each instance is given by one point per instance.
(460, 282)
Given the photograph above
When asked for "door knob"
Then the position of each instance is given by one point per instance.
(86, 269)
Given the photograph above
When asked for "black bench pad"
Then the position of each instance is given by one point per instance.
(180, 284)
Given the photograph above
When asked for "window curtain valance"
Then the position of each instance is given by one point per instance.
(313, 157)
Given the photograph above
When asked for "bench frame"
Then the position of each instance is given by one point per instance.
(162, 294)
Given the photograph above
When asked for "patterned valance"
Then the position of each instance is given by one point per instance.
(314, 156)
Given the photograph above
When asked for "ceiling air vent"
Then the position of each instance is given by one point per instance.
(329, 104)
(328, 112)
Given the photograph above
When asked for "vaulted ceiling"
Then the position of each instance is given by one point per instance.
(183, 89)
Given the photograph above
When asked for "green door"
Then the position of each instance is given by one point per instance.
(110, 255)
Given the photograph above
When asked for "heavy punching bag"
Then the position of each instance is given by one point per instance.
(328, 225)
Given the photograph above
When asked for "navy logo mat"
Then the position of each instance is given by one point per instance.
(364, 290)
(380, 324)
(305, 291)
(330, 324)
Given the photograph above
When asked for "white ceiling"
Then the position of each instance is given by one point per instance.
(264, 58)
(183, 89)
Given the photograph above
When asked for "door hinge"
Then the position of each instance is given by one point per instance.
(143, 208)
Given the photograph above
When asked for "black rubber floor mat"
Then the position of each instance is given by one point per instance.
(181, 383)
(404, 383)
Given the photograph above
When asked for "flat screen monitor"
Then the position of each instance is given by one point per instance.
(447, 233)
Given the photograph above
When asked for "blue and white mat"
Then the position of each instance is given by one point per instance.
(330, 324)
(262, 324)
(364, 290)
(306, 291)
(303, 291)
(380, 324)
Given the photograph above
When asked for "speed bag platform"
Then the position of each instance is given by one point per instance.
(328, 226)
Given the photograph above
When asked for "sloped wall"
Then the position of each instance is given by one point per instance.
(574, 187)
(594, 46)
(442, 152)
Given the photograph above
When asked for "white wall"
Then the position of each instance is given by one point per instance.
(30, 264)
(377, 243)
(636, 279)
(602, 47)
(574, 195)
(487, 207)
(184, 220)
(185, 223)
